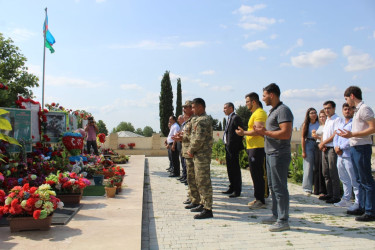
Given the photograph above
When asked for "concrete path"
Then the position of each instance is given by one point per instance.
(314, 224)
(101, 223)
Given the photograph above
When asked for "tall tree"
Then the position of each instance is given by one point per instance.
(220, 128)
(179, 98)
(139, 131)
(102, 127)
(224, 122)
(166, 103)
(13, 73)
(148, 131)
(215, 123)
(244, 113)
(125, 126)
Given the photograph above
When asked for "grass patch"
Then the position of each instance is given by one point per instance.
(94, 191)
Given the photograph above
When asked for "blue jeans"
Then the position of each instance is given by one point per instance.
(361, 159)
(277, 173)
(309, 165)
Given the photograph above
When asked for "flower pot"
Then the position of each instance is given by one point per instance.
(29, 223)
(98, 179)
(110, 191)
(70, 199)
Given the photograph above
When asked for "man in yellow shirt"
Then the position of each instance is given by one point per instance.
(255, 149)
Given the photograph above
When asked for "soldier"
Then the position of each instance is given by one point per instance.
(200, 149)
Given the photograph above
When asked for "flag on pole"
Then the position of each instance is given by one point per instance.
(50, 40)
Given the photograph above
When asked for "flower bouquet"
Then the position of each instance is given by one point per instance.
(26, 201)
(131, 145)
(67, 182)
(121, 146)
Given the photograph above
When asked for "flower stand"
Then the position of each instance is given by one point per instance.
(29, 223)
(110, 191)
(71, 199)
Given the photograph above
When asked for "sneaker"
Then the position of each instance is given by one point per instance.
(353, 207)
(257, 205)
(343, 203)
(307, 193)
(251, 203)
(365, 218)
(270, 220)
(279, 226)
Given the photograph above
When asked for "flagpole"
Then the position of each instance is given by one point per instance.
(44, 56)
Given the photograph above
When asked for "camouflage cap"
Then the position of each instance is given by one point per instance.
(187, 103)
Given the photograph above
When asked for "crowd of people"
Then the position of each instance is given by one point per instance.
(334, 149)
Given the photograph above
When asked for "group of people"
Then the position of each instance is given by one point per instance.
(333, 149)
(338, 149)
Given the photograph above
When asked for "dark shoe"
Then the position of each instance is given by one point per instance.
(365, 217)
(205, 214)
(188, 201)
(355, 212)
(182, 179)
(234, 195)
(333, 200)
(184, 182)
(191, 205)
(229, 191)
(173, 175)
(324, 197)
(197, 209)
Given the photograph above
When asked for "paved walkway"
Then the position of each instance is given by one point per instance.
(314, 224)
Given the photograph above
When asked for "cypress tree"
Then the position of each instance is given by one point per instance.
(179, 99)
(166, 103)
(224, 123)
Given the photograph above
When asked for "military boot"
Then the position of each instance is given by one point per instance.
(205, 214)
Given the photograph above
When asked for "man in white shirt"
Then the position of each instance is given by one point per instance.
(329, 156)
(363, 125)
(172, 146)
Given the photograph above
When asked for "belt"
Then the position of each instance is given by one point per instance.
(329, 147)
(310, 139)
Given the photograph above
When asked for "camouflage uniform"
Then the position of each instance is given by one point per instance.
(201, 147)
(193, 191)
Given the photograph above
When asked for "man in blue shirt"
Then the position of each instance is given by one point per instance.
(344, 161)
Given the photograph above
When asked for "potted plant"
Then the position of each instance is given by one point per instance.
(98, 176)
(110, 187)
(30, 208)
(131, 145)
(121, 146)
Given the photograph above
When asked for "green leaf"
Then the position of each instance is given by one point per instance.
(9, 139)
(5, 124)
(3, 111)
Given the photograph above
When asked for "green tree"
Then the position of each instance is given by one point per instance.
(139, 131)
(179, 99)
(148, 131)
(13, 73)
(224, 122)
(166, 103)
(215, 123)
(244, 113)
(220, 127)
(124, 126)
(102, 127)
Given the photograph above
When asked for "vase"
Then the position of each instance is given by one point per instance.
(70, 199)
(29, 223)
(98, 179)
(110, 191)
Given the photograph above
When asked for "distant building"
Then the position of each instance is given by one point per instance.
(128, 134)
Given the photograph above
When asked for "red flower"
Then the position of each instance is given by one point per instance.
(36, 214)
(53, 104)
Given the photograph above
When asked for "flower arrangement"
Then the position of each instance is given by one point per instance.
(67, 182)
(101, 137)
(73, 142)
(122, 146)
(131, 145)
(31, 201)
(114, 181)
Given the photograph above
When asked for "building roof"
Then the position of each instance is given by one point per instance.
(128, 134)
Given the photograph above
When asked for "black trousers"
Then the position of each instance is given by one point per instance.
(258, 172)
(93, 145)
(234, 170)
(318, 178)
(175, 160)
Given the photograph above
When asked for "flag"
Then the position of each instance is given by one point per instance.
(50, 40)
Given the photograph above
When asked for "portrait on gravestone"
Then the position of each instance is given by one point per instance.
(56, 125)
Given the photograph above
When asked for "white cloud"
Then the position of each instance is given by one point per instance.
(72, 82)
(359, 28)
(256, 23)
(222, 88)
(223, 26)
(315, 58)
(145, 44)
(357, 60)
(208, 72)
(149, 100)
(130, 87)
(192, 44)
(20, 34)
(299, 43)
(203, 84)
(309, 24)
(318, 94)
(273, 36)
(262, 58)
(245, 9)
(259, 44)
(373, 35)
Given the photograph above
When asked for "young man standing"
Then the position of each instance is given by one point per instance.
(255, 149)
(277, 135)
(363, 126)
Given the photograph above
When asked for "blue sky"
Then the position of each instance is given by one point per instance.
(111, 55)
